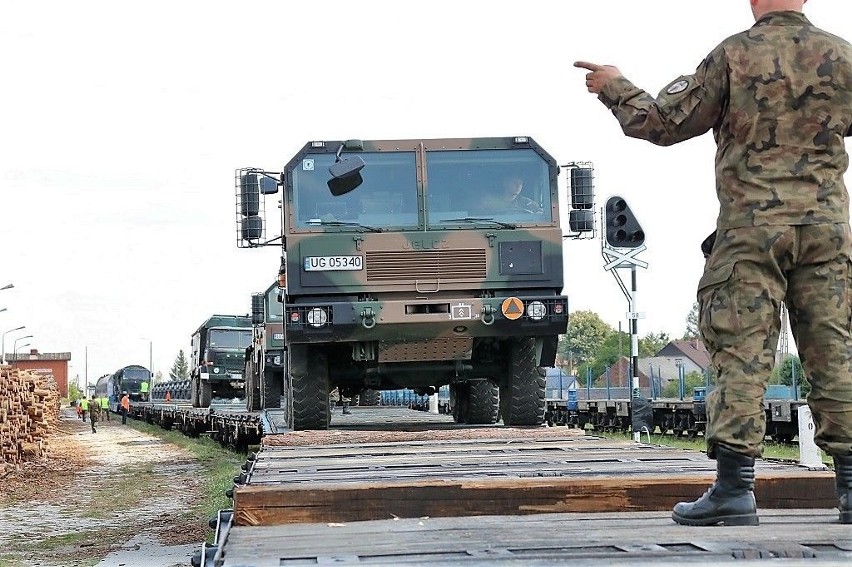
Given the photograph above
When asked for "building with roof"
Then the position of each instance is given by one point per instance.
(48, 363)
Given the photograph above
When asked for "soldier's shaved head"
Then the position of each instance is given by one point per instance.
(761, 7)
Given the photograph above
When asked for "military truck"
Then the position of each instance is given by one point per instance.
(407, 264)
(218, 351)
(265, 358)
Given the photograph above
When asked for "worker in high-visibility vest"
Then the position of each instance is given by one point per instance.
(143, 389)
(105, 407)
(84, 407)
(125, 408)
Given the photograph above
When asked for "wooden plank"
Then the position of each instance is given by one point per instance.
(283, 504)
(618, 538)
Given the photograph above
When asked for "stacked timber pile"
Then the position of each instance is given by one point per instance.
(29, 407)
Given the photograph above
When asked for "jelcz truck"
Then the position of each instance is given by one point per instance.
(407, 264)
(218, 350)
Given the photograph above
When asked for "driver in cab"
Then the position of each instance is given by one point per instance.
(509, 198)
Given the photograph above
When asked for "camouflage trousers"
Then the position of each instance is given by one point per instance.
(749, 272)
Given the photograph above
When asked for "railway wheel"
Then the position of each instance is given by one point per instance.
(270, 391)
(309, 380)
(369, 397)
(483, 406)
(523, 394)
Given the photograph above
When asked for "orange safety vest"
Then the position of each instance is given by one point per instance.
(168, 395)
(125, 402)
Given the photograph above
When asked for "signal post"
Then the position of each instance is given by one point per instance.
(622, 241)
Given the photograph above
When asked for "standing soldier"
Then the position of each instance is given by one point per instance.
(778, 98)
(94, 412)
(125, 407)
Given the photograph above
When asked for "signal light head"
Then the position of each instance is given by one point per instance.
(622, 228)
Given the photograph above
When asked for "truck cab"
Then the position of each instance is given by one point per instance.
(418, 264)
(218, 348)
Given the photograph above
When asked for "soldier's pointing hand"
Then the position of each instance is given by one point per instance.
(599, 76)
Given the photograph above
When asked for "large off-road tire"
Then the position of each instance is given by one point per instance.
(483, 406)
(310, 390)
(369, 397)
(205, 393)
(193, 391)
(522, 395)
(273, 383)
(252, 387)
(459, 397)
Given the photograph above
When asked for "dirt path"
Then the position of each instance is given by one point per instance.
(118, 497)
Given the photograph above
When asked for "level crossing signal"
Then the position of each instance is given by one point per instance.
(622, 228)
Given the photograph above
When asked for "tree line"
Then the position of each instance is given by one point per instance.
(591, 343)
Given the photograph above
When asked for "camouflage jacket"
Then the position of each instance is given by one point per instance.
(778, 98)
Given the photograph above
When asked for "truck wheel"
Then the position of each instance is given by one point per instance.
(483, 405)
(273, 381)
(459, 402)
(252, 389)
(193, 391)
(522, 397)
(310, 392)
(205, 393)
(369, 397)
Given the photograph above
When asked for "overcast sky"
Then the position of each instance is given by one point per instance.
(121, 124)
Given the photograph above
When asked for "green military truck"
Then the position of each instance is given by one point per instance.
(265, 358)
(415, 264)
(218, 351)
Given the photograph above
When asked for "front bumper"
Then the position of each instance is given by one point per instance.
(515, 316)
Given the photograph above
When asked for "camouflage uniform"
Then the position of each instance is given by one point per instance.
(778, 98)
(94, 412)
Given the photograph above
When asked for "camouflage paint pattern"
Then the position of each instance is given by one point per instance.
(778, 98)
(425, 293)
(750, 271)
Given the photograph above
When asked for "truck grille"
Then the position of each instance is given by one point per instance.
(464, 264)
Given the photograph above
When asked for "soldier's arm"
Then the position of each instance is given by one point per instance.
(687, 107)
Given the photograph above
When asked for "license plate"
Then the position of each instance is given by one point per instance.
(330, 263)
(237, 376)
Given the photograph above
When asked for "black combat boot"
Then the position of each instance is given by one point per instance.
(843, 481)
(730, 500)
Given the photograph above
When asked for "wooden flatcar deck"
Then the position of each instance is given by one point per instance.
(639, 538)
(426, 492)
(487, 471)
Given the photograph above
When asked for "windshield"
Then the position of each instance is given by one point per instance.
(229, 338)
(502, 188)
(275, 308)
(505, 186)
(139, 374)
(387, 197)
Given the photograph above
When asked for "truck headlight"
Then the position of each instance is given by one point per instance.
(317, 317)
(536, 310)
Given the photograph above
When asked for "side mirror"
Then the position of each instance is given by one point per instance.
(268, 185)
(345, 173)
